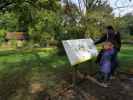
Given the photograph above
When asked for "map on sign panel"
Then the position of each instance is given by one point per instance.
(79, 50)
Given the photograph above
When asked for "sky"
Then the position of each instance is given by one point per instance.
(128, 6)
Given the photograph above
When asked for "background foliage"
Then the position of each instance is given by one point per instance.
(48, 22)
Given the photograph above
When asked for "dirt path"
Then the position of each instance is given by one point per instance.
(120, 88)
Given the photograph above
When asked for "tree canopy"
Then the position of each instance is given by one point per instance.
(48, 21)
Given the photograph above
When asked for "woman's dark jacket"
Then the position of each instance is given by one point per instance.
(113, 38)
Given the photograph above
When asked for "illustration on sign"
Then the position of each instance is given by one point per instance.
(79, 50)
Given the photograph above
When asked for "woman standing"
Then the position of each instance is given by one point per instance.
(114, 38)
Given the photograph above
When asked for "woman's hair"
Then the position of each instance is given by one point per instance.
(109, 27)
(110, 30)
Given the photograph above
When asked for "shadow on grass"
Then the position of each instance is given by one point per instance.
(16, 77)
(49, 68)
(13, 78)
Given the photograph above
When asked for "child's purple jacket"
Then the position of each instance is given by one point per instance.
(105, 62)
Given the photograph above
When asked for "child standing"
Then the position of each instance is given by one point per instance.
(105, 61)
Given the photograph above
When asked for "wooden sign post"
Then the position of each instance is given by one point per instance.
(78, 51)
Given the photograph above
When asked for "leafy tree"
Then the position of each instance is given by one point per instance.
(8, 21)
(38, 17)
(46, 27)
(47, 21)
(98, 15)
(26, 10)
(128, 19)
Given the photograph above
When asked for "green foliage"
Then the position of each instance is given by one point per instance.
(32, 16)
(129, 23)
(93, 22)
(46, 27)
(26, 10)
(48, 22)
(8, 21)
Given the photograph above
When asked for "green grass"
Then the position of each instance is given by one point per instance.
(19, 68)
(126, 58)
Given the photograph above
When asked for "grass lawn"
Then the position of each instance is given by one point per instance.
(19, 68)
(126, 57)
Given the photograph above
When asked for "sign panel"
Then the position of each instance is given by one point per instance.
(79, 50)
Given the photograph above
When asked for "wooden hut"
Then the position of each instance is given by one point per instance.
(19, 37)
(16, 36)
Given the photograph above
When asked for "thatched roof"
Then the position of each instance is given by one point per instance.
(16, 36)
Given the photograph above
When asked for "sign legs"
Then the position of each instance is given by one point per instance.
(74, 75)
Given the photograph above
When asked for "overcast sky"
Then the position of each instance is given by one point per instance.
(128, 6)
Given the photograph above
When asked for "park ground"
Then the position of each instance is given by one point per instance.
(22, 67)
